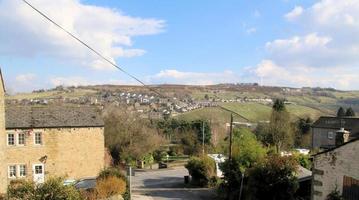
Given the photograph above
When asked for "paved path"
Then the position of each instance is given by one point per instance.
(166, 184)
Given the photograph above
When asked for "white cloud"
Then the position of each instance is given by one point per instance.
(79, 81)
(251, 30)
(324, 53)
(270, 73)
(69, 81)
(25, 78)
(26, 33)
(257, 14)
(193, 78)
(296, 12)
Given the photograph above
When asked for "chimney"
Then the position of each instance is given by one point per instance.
(341, 137)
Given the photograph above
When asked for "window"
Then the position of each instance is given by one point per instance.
(21, 139)
(11, 139)
(330, 135)
(38, 169)
(12, 171)
(38, 138)
(22, 170)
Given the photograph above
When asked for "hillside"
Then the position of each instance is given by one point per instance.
(250, 102)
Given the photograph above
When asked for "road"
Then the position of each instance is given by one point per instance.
(166, 184)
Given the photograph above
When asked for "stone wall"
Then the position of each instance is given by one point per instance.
(329, 169)
(70, 152)
(3, 173)
(320, 137)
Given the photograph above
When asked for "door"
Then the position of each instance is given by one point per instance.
(39, 173)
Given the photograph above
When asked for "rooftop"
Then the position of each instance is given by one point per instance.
(17, 117)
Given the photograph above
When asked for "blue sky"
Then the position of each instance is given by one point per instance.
(282, 42)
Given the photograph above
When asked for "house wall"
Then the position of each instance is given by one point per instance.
(3, 174)
(70, 152)
(329, 169)
(320, 137)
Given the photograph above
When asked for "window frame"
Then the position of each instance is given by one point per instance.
(41, 139)
(25, 171)
(7, 139)
(330, 135)
(18, 139)
(9, 171)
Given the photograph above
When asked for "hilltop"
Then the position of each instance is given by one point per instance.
(249, 102)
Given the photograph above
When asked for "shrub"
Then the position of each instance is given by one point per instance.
(335, 195)
(274, 179)
(109, 172)
(52, 189)
(201, 169)
(115, 172)
(110, 186)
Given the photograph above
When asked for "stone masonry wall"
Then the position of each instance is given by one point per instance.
(329, 169)
(70, 152)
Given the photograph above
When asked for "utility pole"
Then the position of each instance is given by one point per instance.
(230, 138)
(203, 138)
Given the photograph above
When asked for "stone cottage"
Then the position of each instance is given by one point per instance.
(337, 168)
(324, 130)
(44, 141)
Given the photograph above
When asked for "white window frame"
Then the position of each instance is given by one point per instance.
(18, 139)
(25, 171)
(7, 139)
(9, 171)
(330, 135)
(41, 138)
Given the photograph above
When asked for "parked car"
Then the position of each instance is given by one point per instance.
(86, 184)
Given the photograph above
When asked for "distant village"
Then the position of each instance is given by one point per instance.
(149, 105)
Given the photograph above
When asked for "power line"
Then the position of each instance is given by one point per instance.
(102, 56)
(91, 48)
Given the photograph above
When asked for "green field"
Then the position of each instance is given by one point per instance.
(215, 114)
(254, 112)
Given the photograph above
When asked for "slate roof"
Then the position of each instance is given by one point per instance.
(350, 123)
(17, 117)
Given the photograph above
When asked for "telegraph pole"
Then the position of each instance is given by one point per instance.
(230, 138)
(203, 138)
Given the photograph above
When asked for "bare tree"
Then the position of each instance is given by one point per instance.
(128, 136)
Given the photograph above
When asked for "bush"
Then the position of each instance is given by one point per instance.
(335, 195)
(114, 172)
(274, 179)
(201, 169)
(52, 189)
(303, 160)
(110, 186)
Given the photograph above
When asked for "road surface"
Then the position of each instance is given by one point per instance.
(166, 184)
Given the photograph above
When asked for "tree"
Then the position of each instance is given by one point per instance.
(280, 129)
(206, 97)
(274, 179)
(247, 152)
(341, 112)
(279, 105)
(350, 112)
(201, 169)
(128, 136)
(302, 132)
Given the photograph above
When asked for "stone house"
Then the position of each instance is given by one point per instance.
(42, 141)
(337, 168)
(325, 128)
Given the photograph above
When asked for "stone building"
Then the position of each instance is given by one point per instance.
(337, 168)
(44, 141)
(325, 128)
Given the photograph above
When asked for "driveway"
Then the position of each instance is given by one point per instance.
(166, 184)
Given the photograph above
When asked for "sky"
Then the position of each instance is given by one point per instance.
(295, 43)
